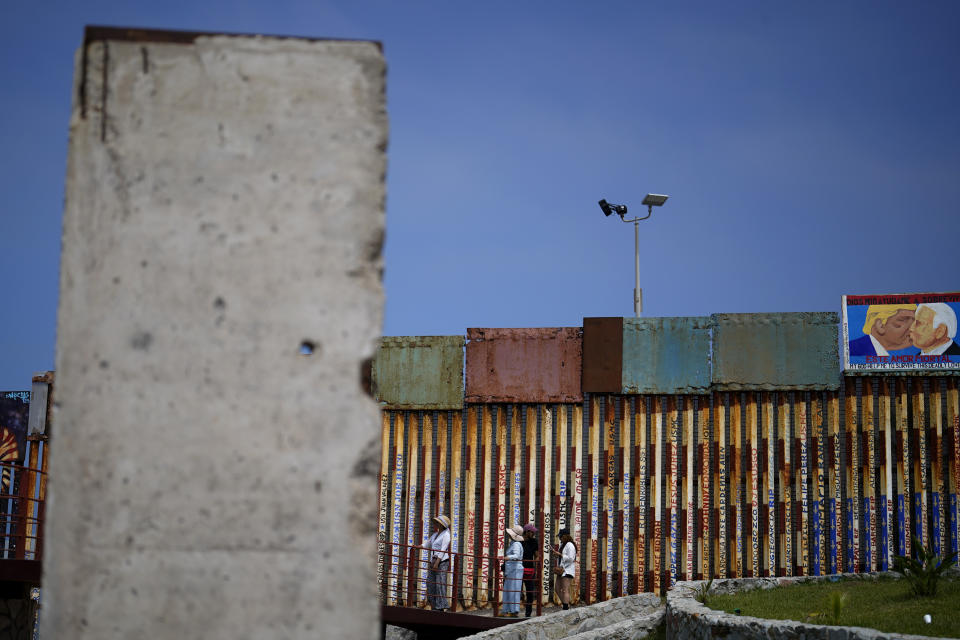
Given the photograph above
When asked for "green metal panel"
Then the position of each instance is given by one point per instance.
(776, 351)
(421, 372)
(666, 355)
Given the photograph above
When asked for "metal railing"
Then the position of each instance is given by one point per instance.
(22, 500)
(405, 580)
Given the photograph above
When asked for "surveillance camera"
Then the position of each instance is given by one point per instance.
(607, 208)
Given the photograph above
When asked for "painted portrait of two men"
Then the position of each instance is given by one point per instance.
(883, 329)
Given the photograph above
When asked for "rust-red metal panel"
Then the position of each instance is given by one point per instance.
(524, 365)
(421, 372)
(602, 355)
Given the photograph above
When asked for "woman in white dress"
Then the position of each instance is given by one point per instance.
(513, 572)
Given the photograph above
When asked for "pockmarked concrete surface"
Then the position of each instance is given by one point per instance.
(215, 457)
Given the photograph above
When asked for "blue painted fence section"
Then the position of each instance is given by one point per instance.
(884, 533)
(901, 539)
(953, 518)
(834, 547)
(666, 355)
(817, 559)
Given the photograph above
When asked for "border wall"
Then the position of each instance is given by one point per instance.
(679, 449)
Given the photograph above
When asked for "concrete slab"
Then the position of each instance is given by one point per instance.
(215, 459)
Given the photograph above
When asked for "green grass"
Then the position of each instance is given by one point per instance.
(660, 633)
(886, 604)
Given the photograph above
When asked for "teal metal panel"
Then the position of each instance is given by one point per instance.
(666, 355)
(422, 372)
(776, 351)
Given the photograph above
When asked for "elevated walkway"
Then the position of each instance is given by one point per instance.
(437, 625)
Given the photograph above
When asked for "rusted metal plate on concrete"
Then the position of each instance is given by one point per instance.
(524, 365)
(419, 372)
(602, 355)
(666, 355)
(774, 351)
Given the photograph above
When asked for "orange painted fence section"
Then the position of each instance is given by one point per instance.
(660, 488)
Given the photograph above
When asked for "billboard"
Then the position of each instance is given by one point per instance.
(913, 331)
(14, 415)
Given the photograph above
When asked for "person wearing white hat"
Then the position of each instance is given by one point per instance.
(513, 572)
(438, 575)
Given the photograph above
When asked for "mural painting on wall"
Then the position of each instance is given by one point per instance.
(914, 331)
(14, 415)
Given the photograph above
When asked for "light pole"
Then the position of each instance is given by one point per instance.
(651, 200)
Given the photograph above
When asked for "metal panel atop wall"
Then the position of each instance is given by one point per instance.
(602, 355)
(39, 403)
(776, 351)
(524, 365)
(666, 355)
(419, 372)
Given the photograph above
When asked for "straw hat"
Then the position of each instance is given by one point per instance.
(516, 532)
(443, 521)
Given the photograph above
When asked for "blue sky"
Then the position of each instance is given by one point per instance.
(810, 150)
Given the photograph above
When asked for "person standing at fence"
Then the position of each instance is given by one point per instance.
(531, 552)
(513, 572)
(439, 574)
(566, 568)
